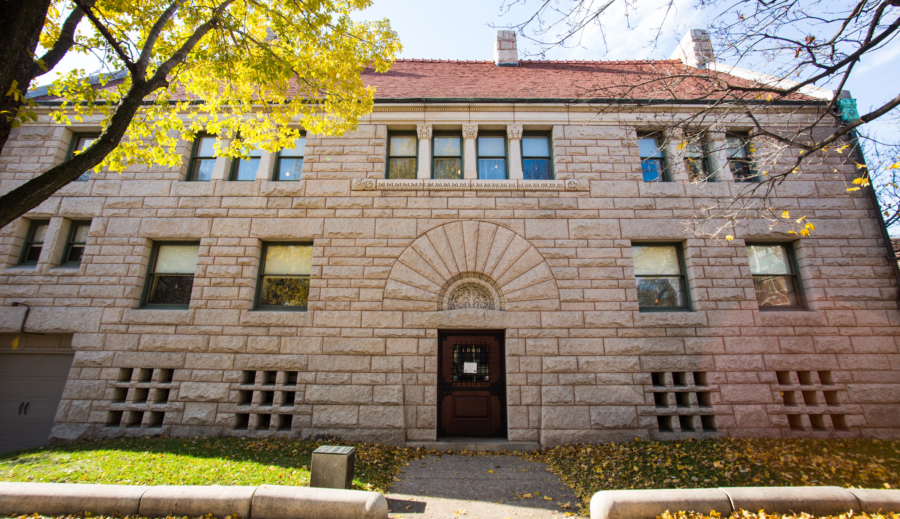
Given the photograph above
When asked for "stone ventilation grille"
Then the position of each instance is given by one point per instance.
(140, 398)
(812, 401)
(683, 402)
(268, 401)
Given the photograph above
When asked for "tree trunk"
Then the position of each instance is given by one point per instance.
(21, 22)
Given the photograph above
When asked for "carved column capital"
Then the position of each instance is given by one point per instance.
(470, 131)
(715, 135)
(424, 131)
(514, 131)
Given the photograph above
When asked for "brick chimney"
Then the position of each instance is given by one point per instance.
(505, 52)
(695, 49)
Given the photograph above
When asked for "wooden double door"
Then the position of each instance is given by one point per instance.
(471, 384)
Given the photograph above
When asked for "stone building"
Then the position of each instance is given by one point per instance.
(488, 255)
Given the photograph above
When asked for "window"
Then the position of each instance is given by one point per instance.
(34, 242)
(491, 157)
(447, 161)
(81, 141)
(402, 156)
(203, 159)
(75, 244)
(170, 277)
(661, 284)
(739, 157)
(774, 276)
(696, 159)
(536, 157)
(289, 165)
(246, 168)
(284, 276)
(653, 162)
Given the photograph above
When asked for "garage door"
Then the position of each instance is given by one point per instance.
(30, 388)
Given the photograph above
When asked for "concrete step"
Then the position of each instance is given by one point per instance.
(476, 445)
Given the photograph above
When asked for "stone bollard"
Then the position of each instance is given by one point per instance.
(332, 467)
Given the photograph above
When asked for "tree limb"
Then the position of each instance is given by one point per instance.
(153, 35)
(62, 44)
(101, 28)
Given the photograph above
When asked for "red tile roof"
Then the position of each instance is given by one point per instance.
(442, 79)
(434, 80)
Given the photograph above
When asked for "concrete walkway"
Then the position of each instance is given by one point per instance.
(479, 487)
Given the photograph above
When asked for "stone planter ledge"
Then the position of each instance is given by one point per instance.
(260, 502)
(817, 501)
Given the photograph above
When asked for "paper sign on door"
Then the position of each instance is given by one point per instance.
(470, 367)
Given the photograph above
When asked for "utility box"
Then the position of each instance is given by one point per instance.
(332, 467)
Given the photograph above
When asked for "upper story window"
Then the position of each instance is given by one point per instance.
(203, 159)
(170, 276)
(739, 158)
(653, 160)
(402, 156)
(536, 157)
(289, 165)
(660, 274)
(34, 242)
(491, 157)
(284, 276)
(446, 163)
(75, 244)
(696, 159)
(80, 141)
(246, 168)
(774, 276)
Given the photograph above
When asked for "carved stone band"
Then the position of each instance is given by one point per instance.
(369, 184)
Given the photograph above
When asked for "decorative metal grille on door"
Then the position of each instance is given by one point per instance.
(471, 363)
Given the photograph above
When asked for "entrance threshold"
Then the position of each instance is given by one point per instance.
(476, 445)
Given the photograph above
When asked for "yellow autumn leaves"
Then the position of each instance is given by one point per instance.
(745, 514)
(266, 69)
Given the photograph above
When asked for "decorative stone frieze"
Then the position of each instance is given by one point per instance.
(369, 184)
(471, 290)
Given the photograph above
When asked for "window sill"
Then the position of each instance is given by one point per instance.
(21, 269)
(681, 318)
(268, 317)
(794, 317)
(158, 315)
(65, 270)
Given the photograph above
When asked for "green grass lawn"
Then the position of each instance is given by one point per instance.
(195, 461)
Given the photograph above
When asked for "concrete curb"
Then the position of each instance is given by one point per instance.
(262, 502)
(163, 501)
(648, 504)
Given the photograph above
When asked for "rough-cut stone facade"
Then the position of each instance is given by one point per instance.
(583, 363)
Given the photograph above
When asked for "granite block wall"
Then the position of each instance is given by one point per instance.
(583, 363)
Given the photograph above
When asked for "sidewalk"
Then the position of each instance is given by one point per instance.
(479, 487)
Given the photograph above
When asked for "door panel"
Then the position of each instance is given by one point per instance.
(472, 384)
(38, 381)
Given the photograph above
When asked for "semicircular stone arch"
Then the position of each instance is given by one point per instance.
(449, 252)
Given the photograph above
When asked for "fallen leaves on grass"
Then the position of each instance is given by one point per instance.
(744, 514)
(723, 463)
